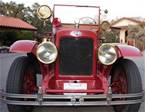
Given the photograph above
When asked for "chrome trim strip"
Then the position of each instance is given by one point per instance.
(66, 100)
(93, 103)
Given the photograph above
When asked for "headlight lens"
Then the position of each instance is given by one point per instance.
(107, 54)
(46, 52)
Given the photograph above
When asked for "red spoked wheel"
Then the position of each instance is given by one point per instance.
(29, 83)
(126, 79)
(119, 84)
(22, 80)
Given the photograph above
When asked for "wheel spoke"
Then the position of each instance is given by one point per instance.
(29, 85)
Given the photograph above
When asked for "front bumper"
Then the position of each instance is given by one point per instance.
(70, 100)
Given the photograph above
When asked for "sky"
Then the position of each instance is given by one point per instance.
(116, 8)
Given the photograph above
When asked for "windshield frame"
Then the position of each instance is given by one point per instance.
(87, 6)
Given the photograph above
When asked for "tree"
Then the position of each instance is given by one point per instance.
(108, 35)
(37, 22)
(27, 14)
(13, 10)
(7, 37)
(138, 34)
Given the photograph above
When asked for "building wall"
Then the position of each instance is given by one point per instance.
(125, 22)
(122, 36)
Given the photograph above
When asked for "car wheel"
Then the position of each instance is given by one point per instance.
(21, 80)
(126, 79)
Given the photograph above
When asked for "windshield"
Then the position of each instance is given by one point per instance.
(72, 14)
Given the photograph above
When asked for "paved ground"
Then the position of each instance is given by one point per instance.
(5, 62)
(74, 109)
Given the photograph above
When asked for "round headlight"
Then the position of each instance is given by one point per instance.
(46, 52)
(107, 54)
(44, 12)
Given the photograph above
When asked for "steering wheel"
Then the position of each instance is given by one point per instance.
(87, 20)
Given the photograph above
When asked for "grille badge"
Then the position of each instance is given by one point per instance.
(76, 33)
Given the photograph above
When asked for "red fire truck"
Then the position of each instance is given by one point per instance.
(71, 67)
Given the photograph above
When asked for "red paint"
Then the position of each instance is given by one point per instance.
(104, 82)
(93, 86)
(23, 46)
(56, 22)
(128, 51)
(53, 81)
(29, 85)
(46, 76)
(84, 33)
(119, 84)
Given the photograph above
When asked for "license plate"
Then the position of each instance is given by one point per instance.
(75, 86)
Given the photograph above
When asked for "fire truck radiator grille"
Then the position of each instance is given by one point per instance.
(76, 56)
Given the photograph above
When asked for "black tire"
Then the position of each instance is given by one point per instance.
(133, 80)
(16, 78)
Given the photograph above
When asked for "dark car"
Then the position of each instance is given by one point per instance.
(4, 49)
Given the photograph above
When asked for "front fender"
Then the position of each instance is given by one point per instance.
(23, 46)
(127, 50)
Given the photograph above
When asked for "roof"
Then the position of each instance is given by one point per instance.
(129, 19)
(16, 23)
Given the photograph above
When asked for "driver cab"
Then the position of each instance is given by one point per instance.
(75, 16)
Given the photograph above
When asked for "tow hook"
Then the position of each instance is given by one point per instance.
(109, 96)
(73, 100)
(40, 95)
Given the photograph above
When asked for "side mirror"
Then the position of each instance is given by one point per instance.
(44, 12)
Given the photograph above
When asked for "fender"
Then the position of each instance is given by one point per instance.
(128, 51)
(23, 46)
